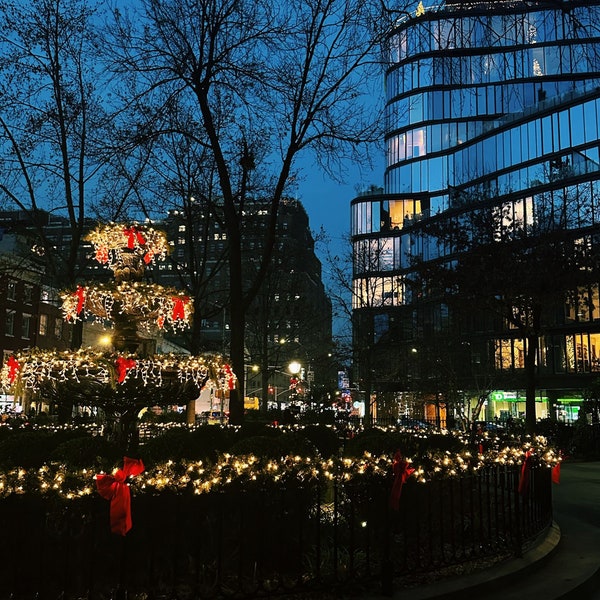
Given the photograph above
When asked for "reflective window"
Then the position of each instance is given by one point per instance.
(435, 181)
(425, 72)
(590, 122)
(415, 109)
(26, 326)
(9, 327)
(577, 125)
(377, 292)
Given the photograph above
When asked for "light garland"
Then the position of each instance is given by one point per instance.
(29, 369)
(243, 471)
(150, 304)
(127, 249)
(112, 241)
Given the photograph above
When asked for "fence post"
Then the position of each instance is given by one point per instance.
(387, 566)
(517, 495)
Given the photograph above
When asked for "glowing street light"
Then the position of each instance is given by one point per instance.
(294, 367)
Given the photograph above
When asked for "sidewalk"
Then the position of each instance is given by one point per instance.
(565, 564)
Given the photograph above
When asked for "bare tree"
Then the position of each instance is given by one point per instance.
(52, 122)
(267, 80)
(520, 262)
(356, 299)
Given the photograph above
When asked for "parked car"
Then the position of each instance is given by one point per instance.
(212, 417)
(411, 423)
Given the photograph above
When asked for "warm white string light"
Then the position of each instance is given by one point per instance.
(29, 369)
(247, 470)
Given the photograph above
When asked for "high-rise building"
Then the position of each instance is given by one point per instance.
(290, 318)
(494, 103)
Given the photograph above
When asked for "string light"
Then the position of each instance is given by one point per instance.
(152, 305)
(127, 250)
(29, 369)
(245, 471)
(112, 241)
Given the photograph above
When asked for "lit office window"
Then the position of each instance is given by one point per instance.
(43, 328)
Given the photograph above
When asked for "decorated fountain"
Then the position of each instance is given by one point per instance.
(129, 378)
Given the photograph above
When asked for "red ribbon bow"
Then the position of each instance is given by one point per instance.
(123, 365)
(132, 234)
(230, 377)
(115, 488)
(556, 473)
(178, 307)
(401, 473)
(80, 295)
(525, 474)
(102, 254)
(13, 368)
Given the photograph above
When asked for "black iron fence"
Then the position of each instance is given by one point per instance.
(270, 541)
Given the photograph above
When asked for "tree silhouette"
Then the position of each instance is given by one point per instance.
(266, 81)
(518, 263)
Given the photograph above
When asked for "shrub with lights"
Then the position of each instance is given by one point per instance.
(123, 381)
(246, 469)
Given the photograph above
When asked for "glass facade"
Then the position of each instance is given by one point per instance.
(498, 101)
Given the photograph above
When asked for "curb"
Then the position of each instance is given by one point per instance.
(474, 583)
(585, 589)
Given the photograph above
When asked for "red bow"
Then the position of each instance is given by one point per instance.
(123, 365)
(80, 295)
(556, 473)
(102, 254)
(178, 307)
(401, 473)
(148, 257)
(525, 474)
(230, 377)
(115, 488)
(133, 233)
(13, 368)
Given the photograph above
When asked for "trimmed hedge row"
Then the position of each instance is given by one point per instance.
(80, 449)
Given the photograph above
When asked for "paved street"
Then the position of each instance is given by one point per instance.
(568, 571)
(577, 557)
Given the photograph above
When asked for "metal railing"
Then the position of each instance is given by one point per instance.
(269, 541)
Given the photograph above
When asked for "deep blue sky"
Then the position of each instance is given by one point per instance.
(327, 202)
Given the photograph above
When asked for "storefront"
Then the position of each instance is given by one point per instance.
(503, 404)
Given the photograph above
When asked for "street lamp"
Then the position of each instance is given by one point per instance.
(294, 367)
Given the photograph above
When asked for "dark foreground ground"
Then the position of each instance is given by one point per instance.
(564, 565)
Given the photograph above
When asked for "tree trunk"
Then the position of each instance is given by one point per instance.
(530, 383)
(190, 412)
(367, 417)
(238, 323)
(264, 383)
(122, 429)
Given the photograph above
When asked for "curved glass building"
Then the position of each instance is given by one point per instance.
(497, 100)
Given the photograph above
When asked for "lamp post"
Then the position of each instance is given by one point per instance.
(295, 369)
(250, 374)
